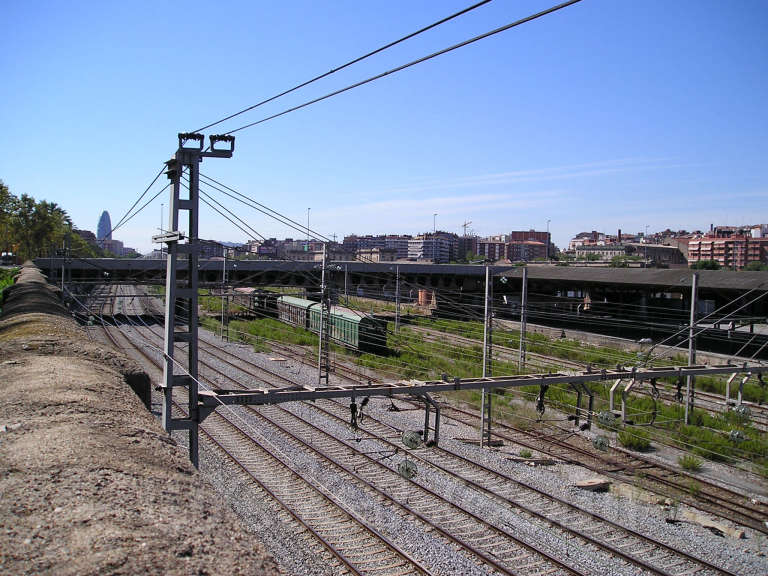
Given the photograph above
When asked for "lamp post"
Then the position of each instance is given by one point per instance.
(434, 238)
(308, 209)
(548, 242)
(161, 228)
(645, 241)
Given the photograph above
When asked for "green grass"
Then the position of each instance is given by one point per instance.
(6, 279)
(690, 463)
(564, 348)
(371, 306)
(6, 276)
(707, 437)
(635, 439)
(261, 333)
(525, 453)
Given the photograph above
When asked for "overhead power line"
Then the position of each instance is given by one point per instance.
(350, 63)
(125, 218)
(410, 64)
(282, 218)
(147, 203)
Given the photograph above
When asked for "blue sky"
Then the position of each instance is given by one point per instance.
(608, 114)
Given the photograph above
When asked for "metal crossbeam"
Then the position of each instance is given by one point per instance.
(212, 399)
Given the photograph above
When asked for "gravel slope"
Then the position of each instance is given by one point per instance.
(90, 482)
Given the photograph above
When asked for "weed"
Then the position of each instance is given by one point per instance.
(694, 488)
(525, 453)
(690, 463)
(635, 439)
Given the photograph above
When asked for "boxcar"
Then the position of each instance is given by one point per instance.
(347, 327)
(292, 310)
(352, 329)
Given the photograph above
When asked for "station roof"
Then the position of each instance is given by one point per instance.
(133, 269)
(673, 277)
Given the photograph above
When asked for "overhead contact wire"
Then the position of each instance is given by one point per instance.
(348, 64)
(123, 219)
(410, 64)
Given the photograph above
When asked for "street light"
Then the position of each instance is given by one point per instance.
(161, 228)
(645, 241)
(308, 209)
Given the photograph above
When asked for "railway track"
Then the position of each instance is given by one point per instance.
(592, 530)
(567, 446)
(500, 352)
(487, 543)
(618, 463)
(493, 485)
(354, 546)
(713, 403)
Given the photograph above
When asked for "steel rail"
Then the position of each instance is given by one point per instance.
(611, 549)
(727, 506)
(484, 556)
(333, 549)
(724, 506)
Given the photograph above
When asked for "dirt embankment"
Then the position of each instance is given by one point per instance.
(90, 482)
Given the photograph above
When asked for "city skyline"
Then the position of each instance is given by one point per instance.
(603, 115)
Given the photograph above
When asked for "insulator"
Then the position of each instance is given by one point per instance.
(353, 414)
(743, 411)
(407, 469)
(412, 438)
(736, 436)
(600, 442)
(679, 392)
(606, 419)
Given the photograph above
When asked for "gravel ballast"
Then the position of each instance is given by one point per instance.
(745, 556)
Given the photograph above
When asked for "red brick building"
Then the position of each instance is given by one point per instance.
(734, 252)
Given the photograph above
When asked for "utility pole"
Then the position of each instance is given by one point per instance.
(187, 157)
(691, 347)
(548, 240)
(63, 261)
(523, 319)
(223, 289)
(397, 299)
(434, 238)
(465, 226)
(346, 294)
(485, 407)
(645, 241)
(161, 228)
(323, 354)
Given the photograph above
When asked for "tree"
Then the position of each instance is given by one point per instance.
(706, 265)
(7, 208)
(31, 228)
(619, 262)
(756, 267)
(24, 226)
